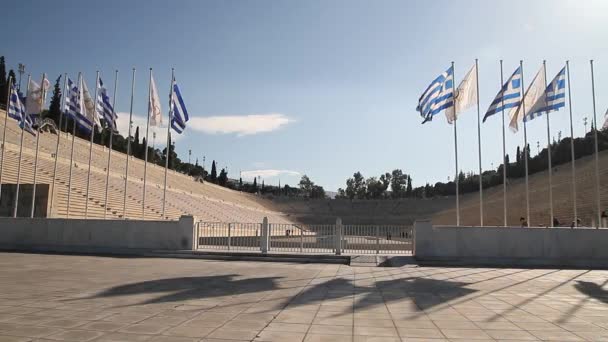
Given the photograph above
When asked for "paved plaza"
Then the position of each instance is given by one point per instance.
(87, 298)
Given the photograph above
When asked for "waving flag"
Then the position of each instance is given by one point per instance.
(104, 106)
(16, 110)
(438, 96)
(155, 112)
(533, 94)
(552, 99)
(33, 102)
(509, 95)
(466, 95)
(179, 116)
(90, 111)
(74, 106)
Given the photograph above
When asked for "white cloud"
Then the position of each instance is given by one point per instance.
(240, 125)
(269, 173)
(161, 132)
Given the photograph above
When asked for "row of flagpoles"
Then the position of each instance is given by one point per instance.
(522, 106)
(88, 115)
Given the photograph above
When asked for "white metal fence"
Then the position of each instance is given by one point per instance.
(296, 238)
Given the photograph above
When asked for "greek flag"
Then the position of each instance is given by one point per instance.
(74, 106)
(509, 95)
(104, 106)
(179, 116)
(16, 110)
(438, 96)
(553, 99)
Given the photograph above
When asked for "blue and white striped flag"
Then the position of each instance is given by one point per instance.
(509, 95)
(16, 110)
(104, 107)
(553, 99)
(438, 96)
(74, 106)
(179, 116)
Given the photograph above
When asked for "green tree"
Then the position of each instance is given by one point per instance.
(213, 172)
(255, 184)
(398, 184)
(135, 150)
(317, 192)
(223, 178)
(374, 188)
(408, 190)
(55, 106)
(306, 185)
(3, 82)
(355, 186)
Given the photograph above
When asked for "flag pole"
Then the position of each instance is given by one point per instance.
(72, 151)
(124, 203)
(65, 78)
(523, 104)
(86, 203)
(479, 146)
(549, 151)
(143, 203)
(42, 98)
(3, 147)
(168, 149)
(105, 201)
(456, 150)
(572, 147)
(597, 162)
(504, 154)
(16, 203)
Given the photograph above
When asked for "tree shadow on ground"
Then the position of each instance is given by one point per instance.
(188, 288)
(424, 293)
(592, 290)
(421, 293)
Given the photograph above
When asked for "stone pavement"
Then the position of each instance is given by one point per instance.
(86, 298)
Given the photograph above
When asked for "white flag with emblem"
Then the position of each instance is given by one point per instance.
(533, 93)
(466, 95)
(155, 113)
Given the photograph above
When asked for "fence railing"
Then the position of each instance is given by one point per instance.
(298, 238)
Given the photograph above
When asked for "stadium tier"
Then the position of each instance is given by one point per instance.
(185, 196)
(539, 198)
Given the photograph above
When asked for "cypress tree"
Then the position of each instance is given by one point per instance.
(213, 172)
(55, 106)
(135, 144)
(3, 82)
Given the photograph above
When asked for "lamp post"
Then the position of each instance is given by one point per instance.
(21, 70)
(585, 123)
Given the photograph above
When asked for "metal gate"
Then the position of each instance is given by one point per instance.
(312, 239)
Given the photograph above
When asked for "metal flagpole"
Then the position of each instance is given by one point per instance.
(549, 151)
(72, 151)
(16, 203)
(168, 150)
(504, 153)
(86, 203)
(597, 162)
(42, 98)
(456, 150)
(143, 203)
(124, 203)
(65, 80)
(523, 106)
(3, 147)
(105, 201)
(479, 146)
(572, 147)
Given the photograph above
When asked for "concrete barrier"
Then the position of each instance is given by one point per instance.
(555, 247)
(75, 235)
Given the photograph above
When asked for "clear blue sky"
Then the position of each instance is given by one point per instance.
(333, 84)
